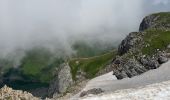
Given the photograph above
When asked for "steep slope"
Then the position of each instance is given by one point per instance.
(37, 69)
(144, 50)
(78, 71)
(158, 20)
(108, 83)
(90, 67)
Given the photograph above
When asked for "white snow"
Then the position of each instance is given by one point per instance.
(159, 91)
(109, 84)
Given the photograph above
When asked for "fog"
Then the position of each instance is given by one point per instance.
(56, 24)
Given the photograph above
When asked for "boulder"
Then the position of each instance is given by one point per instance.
(162, 59)
(94, 91)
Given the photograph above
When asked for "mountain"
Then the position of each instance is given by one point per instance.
(138, 53)
(144, 50)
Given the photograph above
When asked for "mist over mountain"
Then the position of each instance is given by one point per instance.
(57, 24)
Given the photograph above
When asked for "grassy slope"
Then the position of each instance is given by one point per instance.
(39, 65)
(157, 39)
(90, 65)
(163, 17)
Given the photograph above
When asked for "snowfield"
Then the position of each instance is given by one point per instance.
(109, 84)
(159, 91)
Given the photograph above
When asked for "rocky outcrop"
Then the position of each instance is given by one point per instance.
(129, 42)
(129, 68)
(94, 91)
(62, 81)
(7, 93)
(132, 60)
(159, 20)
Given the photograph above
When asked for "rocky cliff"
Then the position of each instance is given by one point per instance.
(62, 81)
(144, 50)
(158, 20)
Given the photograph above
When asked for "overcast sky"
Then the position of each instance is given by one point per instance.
(53, 23)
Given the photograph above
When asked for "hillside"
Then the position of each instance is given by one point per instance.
(37, 69)
(144, 50)
(90, 66)
(138, 53)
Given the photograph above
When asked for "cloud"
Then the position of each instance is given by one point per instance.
(56, 24)
(164, 2)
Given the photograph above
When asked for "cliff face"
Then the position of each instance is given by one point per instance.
(158, 20)
(62, 81)
(144, 50)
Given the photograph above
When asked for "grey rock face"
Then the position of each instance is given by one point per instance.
(129, 42)
(94, 91)
(155, 21)
(162, 57)
(131, 61)
(129, 69)
(153, 64)
(147, 22)
(62, 81)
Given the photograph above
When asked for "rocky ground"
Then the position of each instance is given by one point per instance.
(7, 93)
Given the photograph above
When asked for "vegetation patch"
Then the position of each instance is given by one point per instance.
(90, 65)
(163, 17)
(39, 64)
(155, 39)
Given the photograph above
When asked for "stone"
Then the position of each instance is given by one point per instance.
(153, 64)
(7, 93)
(129, 42)
(94, 91)
(162, 59)
(62, 81)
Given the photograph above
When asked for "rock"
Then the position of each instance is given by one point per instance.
(129, 42)
(162, 59)
(129, 69)
(7, 93)
(147, 22)
(150, 63)
(159, 20)
(62, 81)
(153, 64)
(133, 58)
(81, 75)
(94, 91)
